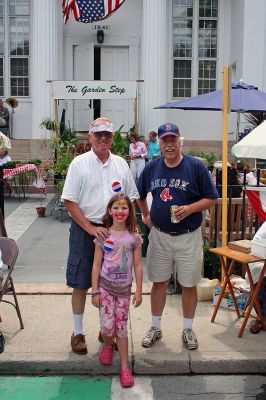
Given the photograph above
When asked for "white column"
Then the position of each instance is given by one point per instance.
(154, 64)
(47, 46)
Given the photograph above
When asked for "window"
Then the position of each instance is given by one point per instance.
(14, 47)
(195, 27)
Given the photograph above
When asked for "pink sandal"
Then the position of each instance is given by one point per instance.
(126, 378)
(106, 356)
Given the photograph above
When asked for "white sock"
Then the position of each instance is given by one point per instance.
(187, 323)
(156, 321)
(78, 324)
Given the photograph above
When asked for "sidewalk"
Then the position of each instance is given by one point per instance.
(44, 345)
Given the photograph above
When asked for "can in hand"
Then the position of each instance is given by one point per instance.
(172, 212)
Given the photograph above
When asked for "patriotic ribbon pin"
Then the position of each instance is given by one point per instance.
(116, 186)
(108, 245)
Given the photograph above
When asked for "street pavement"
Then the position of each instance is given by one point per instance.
(182, 387)
(44, 345)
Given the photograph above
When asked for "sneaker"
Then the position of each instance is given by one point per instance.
(78, 344)
(126, 378)
(151, 336)
(106, 356)
(189, 339)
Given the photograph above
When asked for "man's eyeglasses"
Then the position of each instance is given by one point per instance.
(99, 135)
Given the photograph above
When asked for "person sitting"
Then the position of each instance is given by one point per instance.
(4, 119)
(234, 189)
(4, 159)
(255, 269)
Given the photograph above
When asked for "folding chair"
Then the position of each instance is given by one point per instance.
(9, 249)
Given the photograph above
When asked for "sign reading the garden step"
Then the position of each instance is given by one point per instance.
(115, 90)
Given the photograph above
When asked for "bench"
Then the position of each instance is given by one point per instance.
(234, 223)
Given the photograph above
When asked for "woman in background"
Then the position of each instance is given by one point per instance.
(137, 152)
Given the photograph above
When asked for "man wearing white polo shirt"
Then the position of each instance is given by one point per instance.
(92, 179)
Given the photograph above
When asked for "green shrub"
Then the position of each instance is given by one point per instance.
(212, 264)
(211, 157)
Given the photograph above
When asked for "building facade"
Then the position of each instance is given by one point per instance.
(176, 48)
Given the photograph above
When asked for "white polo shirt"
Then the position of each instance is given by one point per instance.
(91, 184)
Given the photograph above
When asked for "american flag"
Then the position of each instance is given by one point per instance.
(90, 10)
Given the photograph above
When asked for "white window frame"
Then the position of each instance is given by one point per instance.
(195, 59)
(7, 56)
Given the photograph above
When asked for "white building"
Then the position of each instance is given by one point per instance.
(177, 47)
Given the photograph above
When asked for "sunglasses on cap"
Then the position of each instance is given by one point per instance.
(99, 135)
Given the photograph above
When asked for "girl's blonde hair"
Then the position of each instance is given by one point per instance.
(131, 222)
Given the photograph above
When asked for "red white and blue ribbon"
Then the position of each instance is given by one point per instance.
(108, 245)
(117, 187)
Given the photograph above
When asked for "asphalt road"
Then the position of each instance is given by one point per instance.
(211, 387)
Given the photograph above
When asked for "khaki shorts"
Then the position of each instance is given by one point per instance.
(183, 254)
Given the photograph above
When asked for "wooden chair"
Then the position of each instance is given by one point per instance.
(9, 249)
(234, 220)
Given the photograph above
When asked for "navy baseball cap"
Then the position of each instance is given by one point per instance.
(167, 130)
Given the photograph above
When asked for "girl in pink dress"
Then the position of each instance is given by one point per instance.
(112, 280)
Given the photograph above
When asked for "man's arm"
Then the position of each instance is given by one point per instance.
(74, 210)
(143, 205)
(183, 212)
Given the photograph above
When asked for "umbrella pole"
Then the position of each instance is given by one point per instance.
(225, 153)
(237, 126)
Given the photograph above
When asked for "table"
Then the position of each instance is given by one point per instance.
(38, 182)
(234, 255)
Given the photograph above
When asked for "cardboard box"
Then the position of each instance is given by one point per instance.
(227, 302)
(241, 245)
(258, 248)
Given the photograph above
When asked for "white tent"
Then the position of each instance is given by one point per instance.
(253, 145)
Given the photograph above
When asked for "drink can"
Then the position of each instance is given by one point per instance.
(172, 212)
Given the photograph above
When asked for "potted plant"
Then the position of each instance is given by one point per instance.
(41, 209)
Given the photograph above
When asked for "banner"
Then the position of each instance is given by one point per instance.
(257, 197)
(78, 90)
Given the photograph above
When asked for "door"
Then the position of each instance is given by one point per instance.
(83, 71)
(115, 66)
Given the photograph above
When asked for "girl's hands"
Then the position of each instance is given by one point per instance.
(137, 299)
(96, 300)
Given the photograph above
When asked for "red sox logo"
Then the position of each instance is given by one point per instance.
(165, 195)
(167, 127)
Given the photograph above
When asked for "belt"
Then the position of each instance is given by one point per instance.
(183, 232)
(94, 224)
(137, 157)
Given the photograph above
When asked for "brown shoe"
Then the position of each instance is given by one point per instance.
(78, 344)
